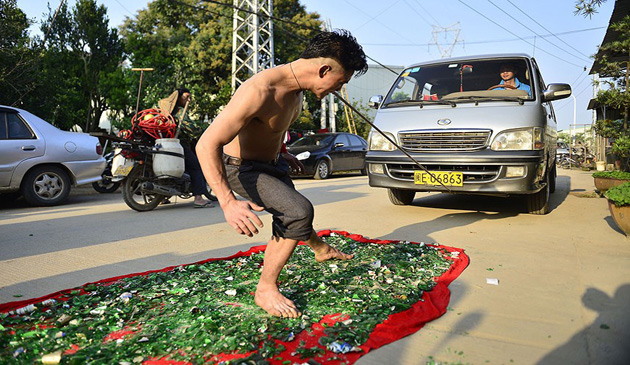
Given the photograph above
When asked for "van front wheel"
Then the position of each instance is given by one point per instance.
(401, 197)
(538, 203)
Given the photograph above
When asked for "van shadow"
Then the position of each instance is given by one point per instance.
(606, 340)
(421, 231)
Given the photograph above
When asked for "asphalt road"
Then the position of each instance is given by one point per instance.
(564, 278)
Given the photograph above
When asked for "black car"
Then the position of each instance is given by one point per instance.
(325, 153)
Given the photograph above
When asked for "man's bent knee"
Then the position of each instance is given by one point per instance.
(297, 223)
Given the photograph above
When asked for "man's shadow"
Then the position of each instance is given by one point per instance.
(607, 339)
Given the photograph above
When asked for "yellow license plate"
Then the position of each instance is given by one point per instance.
(123, 170)
(439, 178)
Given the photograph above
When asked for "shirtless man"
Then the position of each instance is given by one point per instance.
(240, 151)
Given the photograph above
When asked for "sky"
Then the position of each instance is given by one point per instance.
(403, 32)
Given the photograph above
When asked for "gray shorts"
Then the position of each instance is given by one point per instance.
(269, 185)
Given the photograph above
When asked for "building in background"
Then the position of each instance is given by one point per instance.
(376, 81)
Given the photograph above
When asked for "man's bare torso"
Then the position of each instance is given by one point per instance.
(263, 135)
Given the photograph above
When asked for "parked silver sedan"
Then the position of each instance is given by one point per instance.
(42, 162)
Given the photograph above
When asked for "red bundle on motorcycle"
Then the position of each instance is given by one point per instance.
(149, 125)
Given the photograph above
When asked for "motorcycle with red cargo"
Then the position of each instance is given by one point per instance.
(150, 159)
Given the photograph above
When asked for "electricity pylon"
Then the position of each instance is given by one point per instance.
(451, 34)
(252, 39)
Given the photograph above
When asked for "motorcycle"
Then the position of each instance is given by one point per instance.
(108, 184)
(145, 185)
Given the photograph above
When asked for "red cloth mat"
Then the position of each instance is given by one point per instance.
(397, 326)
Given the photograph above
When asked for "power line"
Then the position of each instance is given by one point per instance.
(420, 15)
(543, 27)
(483, 42)
(293, 35)
(516, 35)
(379, 14)
(378, 21)
(253, 12)
(122, 6)
(531, 30)
(422, 7)
(585, 76)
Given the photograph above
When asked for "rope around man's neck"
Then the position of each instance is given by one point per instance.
(296, 79)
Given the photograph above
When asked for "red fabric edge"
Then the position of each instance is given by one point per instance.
(397, 326)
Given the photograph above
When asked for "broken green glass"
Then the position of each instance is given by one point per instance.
(197, 311)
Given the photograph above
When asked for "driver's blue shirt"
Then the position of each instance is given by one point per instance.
(519, 86)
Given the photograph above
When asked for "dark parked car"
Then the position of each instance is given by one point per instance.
(42, 162)
(325, 153)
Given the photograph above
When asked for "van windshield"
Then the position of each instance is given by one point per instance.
(474, 81)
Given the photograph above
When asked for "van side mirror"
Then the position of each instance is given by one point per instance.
(375, 101)
(556, 92)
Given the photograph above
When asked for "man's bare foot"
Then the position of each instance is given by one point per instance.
(275, 303)
(328, 252)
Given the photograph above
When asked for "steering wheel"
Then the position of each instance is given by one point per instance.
(506, 86)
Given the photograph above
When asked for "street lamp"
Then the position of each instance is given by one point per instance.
(570, 130)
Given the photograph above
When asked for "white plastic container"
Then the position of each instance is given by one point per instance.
(169, 157)
(601, 165)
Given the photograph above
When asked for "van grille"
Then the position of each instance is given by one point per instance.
(472, 173)
(444, 140)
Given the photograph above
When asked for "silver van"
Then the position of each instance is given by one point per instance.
(476, 130)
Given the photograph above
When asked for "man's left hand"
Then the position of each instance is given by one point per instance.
(295, 165)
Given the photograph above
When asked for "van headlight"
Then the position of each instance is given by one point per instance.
(377, 142)
(303, 156)
(519, 139)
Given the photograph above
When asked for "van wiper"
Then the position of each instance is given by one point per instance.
(421, 102)
(399, 102)
(477, 99)
(443, 102)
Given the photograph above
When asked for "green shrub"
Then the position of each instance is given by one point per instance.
(619, 175)
(619, 195)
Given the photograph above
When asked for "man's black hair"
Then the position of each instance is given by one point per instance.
(341, 46)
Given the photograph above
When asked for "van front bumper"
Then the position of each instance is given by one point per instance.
(484, 172)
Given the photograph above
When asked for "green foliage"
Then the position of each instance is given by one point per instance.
(621, 146)
(619, 195)
(618, 94)
(18, 58)
(619, 175)
(400, 95)
(565, 137)
(361, 127)
(609, 128)
(82, 68)
(587, 7)
(189, 44)
(66, 68)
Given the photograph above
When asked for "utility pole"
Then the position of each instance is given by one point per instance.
(252, 39)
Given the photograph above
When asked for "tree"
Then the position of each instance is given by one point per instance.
(100, 50)
(77, 54)
(189, 43)
(587, 7)
(617, 73)
(18, 61)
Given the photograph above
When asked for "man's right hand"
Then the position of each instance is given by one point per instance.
(239, 215)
